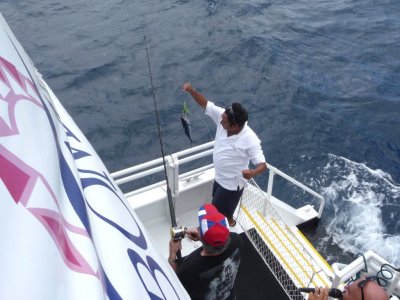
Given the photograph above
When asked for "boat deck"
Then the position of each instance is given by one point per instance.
(274, 244)
(278, 258)
(255, 280)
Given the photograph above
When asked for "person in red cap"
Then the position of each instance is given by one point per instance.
(210, 271)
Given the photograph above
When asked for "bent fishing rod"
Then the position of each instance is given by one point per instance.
(169, 194)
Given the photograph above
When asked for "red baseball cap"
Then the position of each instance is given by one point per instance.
(206, 209)
(214, 229)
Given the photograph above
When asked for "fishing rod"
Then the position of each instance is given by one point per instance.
(169, 194)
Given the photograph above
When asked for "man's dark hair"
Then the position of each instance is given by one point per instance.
(240, 113)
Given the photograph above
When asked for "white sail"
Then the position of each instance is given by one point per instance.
(66, 229)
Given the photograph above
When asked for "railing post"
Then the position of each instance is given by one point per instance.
(270, 183)
(321, 207)
(173, 175)
(269, 190)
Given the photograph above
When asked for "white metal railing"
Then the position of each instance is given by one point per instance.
(370, 263)
(172, 165)
(273, 171)
(188, 155)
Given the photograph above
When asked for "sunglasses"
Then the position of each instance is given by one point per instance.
(363, 282)
(231, 115)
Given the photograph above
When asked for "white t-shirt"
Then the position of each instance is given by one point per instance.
(232, 154)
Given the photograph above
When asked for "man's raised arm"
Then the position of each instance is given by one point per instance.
(198, 97)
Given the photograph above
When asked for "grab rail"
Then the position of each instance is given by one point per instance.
(175, 160)
(172, 165)
(274, 171)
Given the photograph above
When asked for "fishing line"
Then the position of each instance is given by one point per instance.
(170, 202)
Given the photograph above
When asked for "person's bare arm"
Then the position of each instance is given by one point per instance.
(193, 234)
(174, 247)
(319, 294)
(198, 97)
(250, 173)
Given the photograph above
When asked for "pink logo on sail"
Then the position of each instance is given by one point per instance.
(20, 179)
(14, 87)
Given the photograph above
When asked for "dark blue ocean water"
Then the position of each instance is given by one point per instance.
(321, 81)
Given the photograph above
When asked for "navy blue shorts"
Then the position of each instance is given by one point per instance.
(225, 200)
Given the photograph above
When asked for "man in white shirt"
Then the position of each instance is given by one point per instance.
(235, 145)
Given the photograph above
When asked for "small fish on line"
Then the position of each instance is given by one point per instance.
(186, 122)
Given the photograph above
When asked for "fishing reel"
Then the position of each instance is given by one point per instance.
(178, 232)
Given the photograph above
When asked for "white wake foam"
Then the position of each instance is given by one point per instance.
(358, 196)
